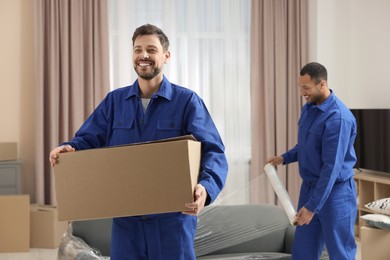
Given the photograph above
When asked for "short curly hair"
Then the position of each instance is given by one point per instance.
(316, 71)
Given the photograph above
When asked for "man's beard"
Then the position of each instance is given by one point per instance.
(148, 76)
(315, 98)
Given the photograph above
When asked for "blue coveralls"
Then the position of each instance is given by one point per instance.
(326, 158)
(173, 111)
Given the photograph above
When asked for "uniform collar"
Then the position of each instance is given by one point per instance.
(164, 91)
(324, 106)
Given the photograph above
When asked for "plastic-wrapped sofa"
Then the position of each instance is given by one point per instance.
(224, 232)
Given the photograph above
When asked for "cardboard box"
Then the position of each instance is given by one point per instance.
(139, 179)
(375, 243)
(45, 229)
(14, 223)
(8, 152)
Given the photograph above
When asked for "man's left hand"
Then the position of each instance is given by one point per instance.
(200, 196)
(304, 216)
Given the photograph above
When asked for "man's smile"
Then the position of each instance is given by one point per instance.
(144, 63)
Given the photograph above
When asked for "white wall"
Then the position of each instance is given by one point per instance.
(350, 37)
(17, 85)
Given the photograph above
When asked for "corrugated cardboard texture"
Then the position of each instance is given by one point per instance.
(8, 151)
(45, 229)
(131, 180)
(14, 223)
(375, 243)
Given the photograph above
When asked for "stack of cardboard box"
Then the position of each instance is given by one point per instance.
(14, 223)
(24, 226)
(14, 216)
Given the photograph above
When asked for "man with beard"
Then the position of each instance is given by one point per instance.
(326, 156)
(150, 109)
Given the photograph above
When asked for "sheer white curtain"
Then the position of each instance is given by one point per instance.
(210, 55)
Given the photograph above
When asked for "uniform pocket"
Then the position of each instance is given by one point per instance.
(122, 131)
(314, 136)
(167, 128)
(169, 124)
(123, 123)
(337, 205)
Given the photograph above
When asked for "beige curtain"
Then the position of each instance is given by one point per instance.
(278, 51)
(72, 75)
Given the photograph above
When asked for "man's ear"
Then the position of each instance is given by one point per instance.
(167, 56)
(323, 83)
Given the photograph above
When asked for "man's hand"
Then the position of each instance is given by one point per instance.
(304, 216)
(54, 154)
(276, 160)
(200, 196)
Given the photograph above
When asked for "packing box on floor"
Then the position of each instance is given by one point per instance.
(14, 223)
(138, 179)
(375, 243)
(45, 229)
(8, 151)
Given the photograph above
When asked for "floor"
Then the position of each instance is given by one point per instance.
(51, 254)
(33, 254)
(359, 252)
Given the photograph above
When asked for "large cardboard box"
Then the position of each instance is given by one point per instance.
(8, 151)
(45, 229)
(128, 180)
(14, 223)
(375, 243)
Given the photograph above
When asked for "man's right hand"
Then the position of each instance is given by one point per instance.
(54, 154)
(276, 160)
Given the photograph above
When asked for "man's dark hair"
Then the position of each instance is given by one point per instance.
(149, 29)
(316, 71)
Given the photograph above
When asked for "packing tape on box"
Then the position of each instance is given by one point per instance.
(281, 192)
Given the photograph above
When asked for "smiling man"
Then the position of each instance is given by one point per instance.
(150, 109)
(326, 157)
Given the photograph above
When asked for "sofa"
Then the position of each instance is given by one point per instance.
(223, 232)
(96, 233)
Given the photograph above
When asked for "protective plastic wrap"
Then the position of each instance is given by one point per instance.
(74, 248)
(221, 227)
(281, 192)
